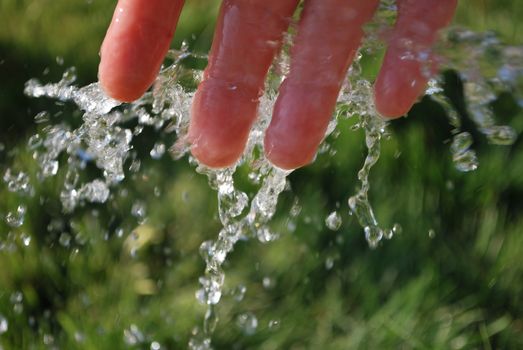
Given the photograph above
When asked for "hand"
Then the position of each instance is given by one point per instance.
(248, 36)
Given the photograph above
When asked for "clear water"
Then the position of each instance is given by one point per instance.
(485, 65)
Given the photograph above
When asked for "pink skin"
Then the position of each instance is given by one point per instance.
(248, 36)
(135, 44)
(322, 52)
(402, 79)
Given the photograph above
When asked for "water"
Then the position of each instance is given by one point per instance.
(486, 68)
(16, 218)
(104, 140)
(4, 324)
(247, 322)
(133, 335)
(333, 221)
(17, 182)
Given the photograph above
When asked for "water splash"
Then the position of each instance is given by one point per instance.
(18, 182)
(104, 139)
(333, 221)
(463, 157)
(487, 68)
(16, 218)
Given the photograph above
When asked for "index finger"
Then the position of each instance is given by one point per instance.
(135, 44)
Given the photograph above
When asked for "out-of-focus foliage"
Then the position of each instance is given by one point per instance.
(77, 285)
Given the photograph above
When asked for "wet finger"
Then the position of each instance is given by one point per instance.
(135, 45)
(407, 64)
(328, 36)
(247, 37)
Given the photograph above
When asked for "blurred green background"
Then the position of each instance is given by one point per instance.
(460, 287)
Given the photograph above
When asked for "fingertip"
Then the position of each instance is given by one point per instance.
(127, 67)
(390, 103)
(135, 45)
(403, 76)
(300, 119)
(211, 157)
(221, 118)
(398, 86)
(119, 87)
(284, 156)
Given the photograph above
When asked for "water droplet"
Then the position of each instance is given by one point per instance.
(207, 250)
(274, 325)
(211, 291)
(49, 168)
(16, 297)
(34, 142)
(210, 320)
(64, 239)
(333, 221)
(247, 322)
(265, 235)
(17, 182)
(155, 346)
(231, 202)
(25, 239)
(295, 209)
(71, 179)
(16, 219)
(388, 233)
(466, 161)
(397, 229)
(199, 343)
(95, 191)
(461, 142)
(42, 117)
(138, 210)
(268, 283)
(133, 335)
(79, 337)
(158, 150)
(4, 325)
(157, 191)
(69, 199)
(432, 233)
(463, 157)
(501, 135)
(373, 234)
(119, 232)
(94, 101)
(48, 339)
(238, 293)
(329, 263)
(135, 166)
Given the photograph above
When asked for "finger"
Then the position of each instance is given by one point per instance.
(247, 37)
(135, 45)
(403, 77)
(328, 36)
